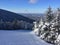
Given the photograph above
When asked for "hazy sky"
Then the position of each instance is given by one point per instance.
(28, 6)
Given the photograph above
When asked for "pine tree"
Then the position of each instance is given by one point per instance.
(1, 24)
(58, 20)
(49, 15)
(15, 24)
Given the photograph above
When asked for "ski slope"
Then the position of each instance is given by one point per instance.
(21, 37)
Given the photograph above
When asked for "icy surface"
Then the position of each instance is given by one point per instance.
(20, 38)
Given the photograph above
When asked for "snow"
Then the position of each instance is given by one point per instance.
(58, 39)
(42, 36)
(46, 23)
(43, 27)
(36, 31)
(21, 37)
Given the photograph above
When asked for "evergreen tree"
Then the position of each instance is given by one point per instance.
(15, 24)
(49, 15)
(58, 20)
(1, 24)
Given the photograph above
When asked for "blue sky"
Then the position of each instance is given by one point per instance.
(28, 6)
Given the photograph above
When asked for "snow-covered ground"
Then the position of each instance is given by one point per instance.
(21, 37)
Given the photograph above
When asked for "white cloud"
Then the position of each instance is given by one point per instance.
(32, 1)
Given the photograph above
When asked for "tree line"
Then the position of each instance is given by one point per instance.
(13, 25)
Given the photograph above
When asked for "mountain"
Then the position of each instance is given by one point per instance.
(34, 16)
(10, 16)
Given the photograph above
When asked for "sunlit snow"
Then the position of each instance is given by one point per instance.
(21, 37)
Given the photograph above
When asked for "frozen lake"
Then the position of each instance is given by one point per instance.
(20, 37)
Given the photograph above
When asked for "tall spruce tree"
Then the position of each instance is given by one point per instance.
(49, 15)
(58, 20)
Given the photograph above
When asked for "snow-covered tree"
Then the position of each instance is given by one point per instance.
(54, 29)
(58, 20)
(49, 14)
(49, 30)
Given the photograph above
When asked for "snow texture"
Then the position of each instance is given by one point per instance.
(57, 42)
(21, 37)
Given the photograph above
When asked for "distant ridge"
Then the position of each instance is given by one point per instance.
(34, 16)
(10, 16)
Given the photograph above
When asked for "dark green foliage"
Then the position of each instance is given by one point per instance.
(49, 15)
(15, 25)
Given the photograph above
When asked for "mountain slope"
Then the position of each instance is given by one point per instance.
(34, 16)
(10, 16)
